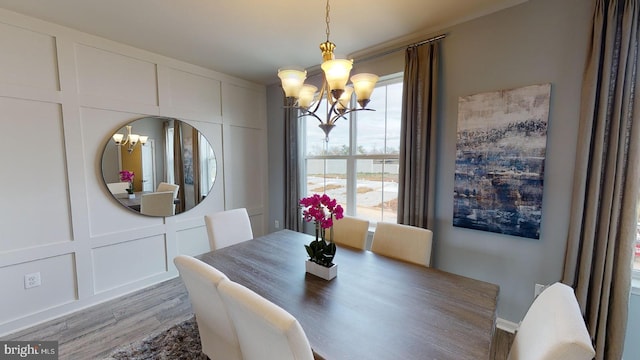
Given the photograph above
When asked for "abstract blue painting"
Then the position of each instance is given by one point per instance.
(500, 153)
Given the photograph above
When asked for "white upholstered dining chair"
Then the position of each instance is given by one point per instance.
(553, 328)
(350, 231)
(217, 333)
(157, 204)
(118, 187)
(403, 242)
(164, 186)
(229, 227)
(265, 330)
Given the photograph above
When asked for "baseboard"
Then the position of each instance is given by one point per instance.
(506, 325)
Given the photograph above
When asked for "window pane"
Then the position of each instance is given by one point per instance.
(379, 130)
(390, 186)
(371, 125)
(328, 177)
(394, 111)
(377, 190)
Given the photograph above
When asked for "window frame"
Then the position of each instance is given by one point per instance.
(351, 158)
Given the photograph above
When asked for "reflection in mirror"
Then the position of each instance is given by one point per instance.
(164, 155)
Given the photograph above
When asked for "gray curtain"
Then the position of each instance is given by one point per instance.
(195, 149)
(178, 165)
(416, 191)
(292, 217)
(599, 255)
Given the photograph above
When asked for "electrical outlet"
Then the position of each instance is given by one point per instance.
(277, 224)
(538, 289)
(32, 280)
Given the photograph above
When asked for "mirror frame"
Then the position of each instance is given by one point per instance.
(187, 197)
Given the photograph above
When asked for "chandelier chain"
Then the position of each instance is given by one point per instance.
(327, 19)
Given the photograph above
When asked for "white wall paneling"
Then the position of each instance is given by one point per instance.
(58, 286)
(245, 168)
(243, 106)
(62, 94)
(127, 262)
(192, 241)
(189, 95)
(28, 58)
(33, 162)
(105, 74)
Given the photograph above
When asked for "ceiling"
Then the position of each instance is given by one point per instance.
(251, 39)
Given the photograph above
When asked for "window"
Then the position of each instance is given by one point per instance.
(208, 168)
(359, 164)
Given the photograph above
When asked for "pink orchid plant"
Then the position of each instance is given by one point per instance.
(321, 209)
(127, 176)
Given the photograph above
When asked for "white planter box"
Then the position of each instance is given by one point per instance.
(320, 271)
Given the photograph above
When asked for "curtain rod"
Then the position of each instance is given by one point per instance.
(374, 56)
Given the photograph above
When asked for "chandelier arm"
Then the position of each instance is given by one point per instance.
(309, 113)
(333, 110)
(347, 112)
(316, 105)
(324, 91)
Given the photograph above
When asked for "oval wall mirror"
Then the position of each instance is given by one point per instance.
(158, 166)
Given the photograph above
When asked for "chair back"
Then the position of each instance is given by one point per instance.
(228, 227)
(265, 330)
(553, 328)
(157, 204)
(403, 242)
(217, 333)
(163, 186)
(118, 187)
(350, 231)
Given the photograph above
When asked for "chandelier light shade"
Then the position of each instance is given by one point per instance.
(292, 81)
(363, 85)
(307, 95)
(336, 73)
(129, 139)
(334, 87)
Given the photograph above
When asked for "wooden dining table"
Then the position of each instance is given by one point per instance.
(376, 308)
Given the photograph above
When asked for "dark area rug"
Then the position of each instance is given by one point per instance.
(181, 341)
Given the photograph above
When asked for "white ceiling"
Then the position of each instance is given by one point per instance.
(251, 39)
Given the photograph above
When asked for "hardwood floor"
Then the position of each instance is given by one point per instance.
(94, 332)
(502, 341)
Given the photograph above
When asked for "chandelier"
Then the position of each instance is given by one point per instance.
(338, 94)
(130, 139)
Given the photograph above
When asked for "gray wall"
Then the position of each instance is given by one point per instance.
(275, 143)
(540, 41)
(631, 343)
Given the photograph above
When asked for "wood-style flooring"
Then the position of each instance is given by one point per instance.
(93, 333)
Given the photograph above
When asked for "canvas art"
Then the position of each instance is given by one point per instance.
(500, 153)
